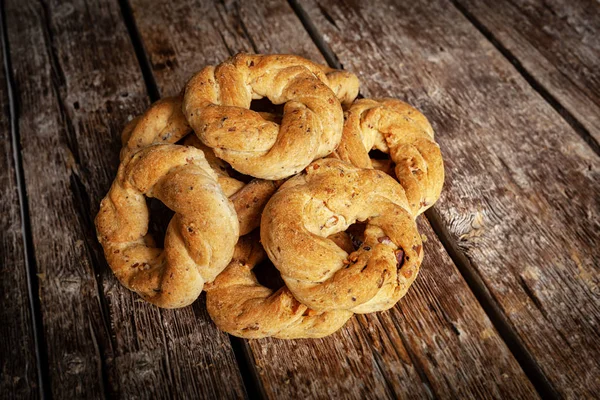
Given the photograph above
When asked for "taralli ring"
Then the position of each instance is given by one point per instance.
(164, 122)
(200, 238)
(241, 306)
(328, 198)
(217, 106)
(397, 128)
(262, 141)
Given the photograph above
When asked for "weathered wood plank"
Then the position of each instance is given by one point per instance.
(79, 82)
(556, 42)
(436, 342)
(521, 199)
(178, 45)
(18, 364)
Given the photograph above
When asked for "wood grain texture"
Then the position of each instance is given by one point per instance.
(18, 365)
(556, 42)
(178, 46)
(79, 82)
(436, 343)
(521, 199)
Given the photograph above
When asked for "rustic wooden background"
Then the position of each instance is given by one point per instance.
(508, 301)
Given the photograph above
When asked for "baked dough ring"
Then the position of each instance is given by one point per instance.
(327, 198)
(241, 306)
(217, 106)
(200, 238)
(397, 128)
(164, 122)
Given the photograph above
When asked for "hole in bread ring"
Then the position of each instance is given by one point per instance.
(200, 238)
(297, 223)
(217, 104)
(240, 305)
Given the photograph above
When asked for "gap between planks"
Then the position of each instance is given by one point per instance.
(243, 354)
(30, 263)
(530, 79)
(333, 61)
(241, 350)
(491, 308)
(140, 52)
(468, 272)
(240, 346)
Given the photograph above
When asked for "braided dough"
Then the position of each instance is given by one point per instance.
(397, 128)
(342, 232)
(200, 238)
(249, 199)
(241, 306)
(217, 106)
(162, 122)
(326, 199)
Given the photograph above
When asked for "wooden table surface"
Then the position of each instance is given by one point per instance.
(508, 301)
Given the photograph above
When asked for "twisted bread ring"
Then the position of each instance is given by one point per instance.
(201, 236)
(394, 127)
(327, 198)
(241, 306)
(217, 101)
(164, 122)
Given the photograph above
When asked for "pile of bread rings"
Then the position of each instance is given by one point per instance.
(295, 186)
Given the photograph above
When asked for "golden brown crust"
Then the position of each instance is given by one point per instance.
(327, 198)
(241, 306)
(344, 84)
(342, 232)
(217, 101)
(229, 184)
(201, 236)
(162, 122)
(394, 127)
(249, 199)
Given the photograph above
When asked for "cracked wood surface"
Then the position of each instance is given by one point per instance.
(556, 41)
(438, 327)
(521, 199)
(78, 82)
(18, 364)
